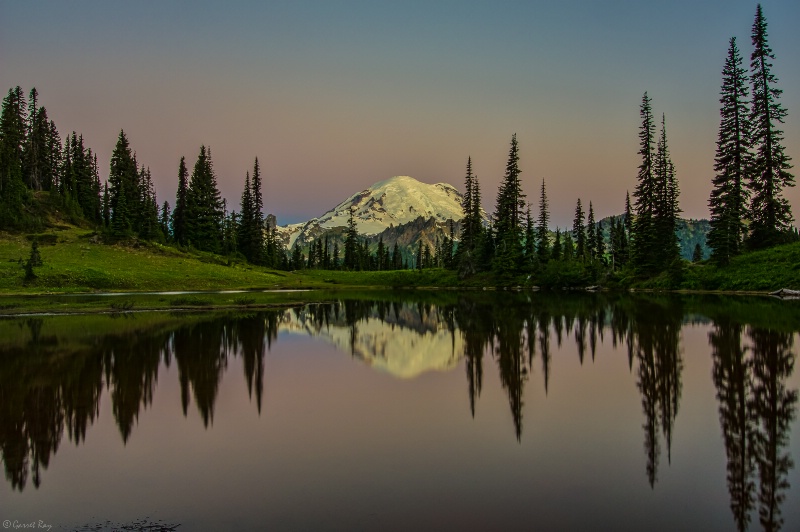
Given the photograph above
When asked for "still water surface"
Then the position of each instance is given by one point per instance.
(434, 411)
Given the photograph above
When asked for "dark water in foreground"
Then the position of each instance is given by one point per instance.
(436, 411)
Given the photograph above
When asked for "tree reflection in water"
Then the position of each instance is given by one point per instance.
(773, 410)
(733, 380)
(49, 383)
(53, 371)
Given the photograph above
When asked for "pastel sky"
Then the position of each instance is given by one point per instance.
(333, 96)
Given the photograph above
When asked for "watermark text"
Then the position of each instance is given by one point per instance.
(26, 525)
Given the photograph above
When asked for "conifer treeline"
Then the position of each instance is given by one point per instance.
(33, 159)
(516, 244)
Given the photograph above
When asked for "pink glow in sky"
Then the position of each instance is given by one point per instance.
(334, 96)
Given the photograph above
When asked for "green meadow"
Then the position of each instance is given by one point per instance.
(77, 267)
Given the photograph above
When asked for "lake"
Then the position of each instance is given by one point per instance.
(426, 410)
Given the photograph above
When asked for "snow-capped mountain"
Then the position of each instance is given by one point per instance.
(394, 202)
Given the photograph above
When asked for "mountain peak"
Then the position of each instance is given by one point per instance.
(391, 202)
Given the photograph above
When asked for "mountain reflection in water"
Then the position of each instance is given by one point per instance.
(54, 370)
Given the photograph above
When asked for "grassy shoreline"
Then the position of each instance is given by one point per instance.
(75, 261)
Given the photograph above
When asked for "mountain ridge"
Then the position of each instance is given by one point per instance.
(387, 204)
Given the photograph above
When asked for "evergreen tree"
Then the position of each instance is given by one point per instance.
(31, 147)
(164, 222)
(34, 260)
(628, 215)
(257, 234)
(379, 255)
(204, 212)
(65, 181)
(728, 201)
(106, 207)
(624, 233)
(123, 176)
(335, 258)
(179, 222)
(81, 182)
(397, 257)
(12, 137)
(591, 235)
(273, 247)
(471, 226)
(312, 257)
(568, 248)
(508, 217)
(147, 218)
(622, 245)
(771, 212)
(487, 249)
(599, 242)
(697, 255)
(466, 204)
(542, 240)
(530, 239)
(258, 199)
(230, 226)
(643, 227)
(351, 243)
(297, 258)
(120, 219)
(54, 162)
(665, 247)
(579, 232)
(448, 246)
(38, 174)
(96, 204)
(245, 228)
(556, 252)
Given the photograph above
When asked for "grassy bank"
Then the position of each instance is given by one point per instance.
(76, 261)
(761, 271)
(766, 270)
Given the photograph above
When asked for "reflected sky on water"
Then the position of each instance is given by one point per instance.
(452, 410)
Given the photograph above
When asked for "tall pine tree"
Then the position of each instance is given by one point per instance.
(257, 236)
(509, 214)
(542, 239)
(204, 212)
(179, 222)
(591, 236)
(12, 138)
(529, 248)
(469, 246)
(579, 232)
(643, 234)
(123, 178)
(665, 246)
(164, 221)
(728, 201)
(351, 243)
(38, 172)
(771, 212)
(245, 227)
